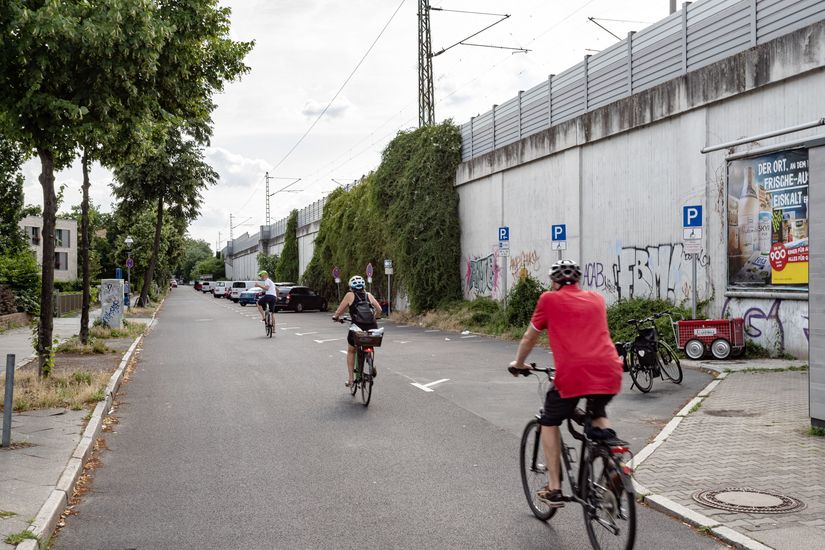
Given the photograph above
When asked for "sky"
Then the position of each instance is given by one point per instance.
(304, 52)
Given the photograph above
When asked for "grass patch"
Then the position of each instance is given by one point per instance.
(71, 390)
(815, 431)
(5, 514)
(141, 311)
(16, 538)
(792, 368)
(129, 330)
(695, 408)
(73, 345)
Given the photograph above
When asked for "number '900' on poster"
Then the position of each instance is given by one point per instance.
(768, 220)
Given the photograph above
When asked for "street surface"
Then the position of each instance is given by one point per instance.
(227, 439)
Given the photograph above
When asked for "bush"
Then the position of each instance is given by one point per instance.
(622, 311)
(287, 268)
(20, 273)
(522, 301)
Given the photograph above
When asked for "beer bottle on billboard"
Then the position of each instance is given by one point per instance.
(748, 217)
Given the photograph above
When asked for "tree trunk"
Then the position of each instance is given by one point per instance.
(46, 325)
(150, 271)
(84, 253)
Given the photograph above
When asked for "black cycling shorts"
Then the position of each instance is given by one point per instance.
(267, 299)
(557, 409)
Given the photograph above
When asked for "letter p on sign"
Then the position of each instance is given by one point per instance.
(692, 216)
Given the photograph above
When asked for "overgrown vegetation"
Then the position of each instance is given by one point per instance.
(620, 313)
(816, 431)
(71, 389)
(73, 345)
(131, 329)
(406, 210)
(268, 263)
(522, 301)
(16, 538)
(287, 268)
(6, 514)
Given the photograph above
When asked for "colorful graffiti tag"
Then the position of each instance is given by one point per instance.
(482, 275)
(652, 271)
(779, 326)
(524, 264)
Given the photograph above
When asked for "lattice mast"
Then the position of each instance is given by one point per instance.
(426, 97)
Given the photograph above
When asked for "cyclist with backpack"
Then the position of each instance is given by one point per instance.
(364, 309)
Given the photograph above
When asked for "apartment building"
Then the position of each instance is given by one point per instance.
(65, 245)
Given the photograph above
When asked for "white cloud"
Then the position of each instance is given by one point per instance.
(313, 108)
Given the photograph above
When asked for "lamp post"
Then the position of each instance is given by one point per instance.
(129, 242)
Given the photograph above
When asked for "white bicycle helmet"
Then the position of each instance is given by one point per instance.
(356, 282)
(565, 272)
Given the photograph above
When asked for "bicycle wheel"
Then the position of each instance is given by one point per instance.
(609, 510)
(269, 324)
(533, 470)
(670, 364)
(366, 380)
(641, 375)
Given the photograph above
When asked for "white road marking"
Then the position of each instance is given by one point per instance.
(472, 336)
(401, 341)
(328, 340)
(305, 333)
(432, 330)
(290, 328)
(403, 326)
(201, 320)
(428, 387)
(343, 351)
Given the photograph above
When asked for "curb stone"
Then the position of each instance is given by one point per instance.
(46, 520)
(667, 506)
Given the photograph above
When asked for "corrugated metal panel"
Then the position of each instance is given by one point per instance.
(777, 17)
(564, 79)
(606, 58)
(534, 110)
(705, 9)
(507, 122)
(719, 34)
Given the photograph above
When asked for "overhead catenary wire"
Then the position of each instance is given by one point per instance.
(340, 89)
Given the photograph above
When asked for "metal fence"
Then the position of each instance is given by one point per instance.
(65, 302)
(699, 34)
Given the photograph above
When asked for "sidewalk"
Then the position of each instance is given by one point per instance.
(750, 432)
(51, 445)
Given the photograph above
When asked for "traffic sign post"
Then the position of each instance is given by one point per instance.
(692, 242)
(336, 275)
(558, 237)
(370, 272)
(389, 271)
(504, 252)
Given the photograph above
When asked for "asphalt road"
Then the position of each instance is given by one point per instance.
(227, 439)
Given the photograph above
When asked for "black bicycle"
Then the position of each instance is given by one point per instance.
(365, 343)
(648, 356)
(269, 326)
(602, 486)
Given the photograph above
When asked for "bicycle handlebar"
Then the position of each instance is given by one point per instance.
(549, 371)
(341, 319)
(649, 319)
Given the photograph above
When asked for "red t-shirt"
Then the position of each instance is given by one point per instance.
(584, 355)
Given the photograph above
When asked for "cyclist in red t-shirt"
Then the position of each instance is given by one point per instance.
(585, 360)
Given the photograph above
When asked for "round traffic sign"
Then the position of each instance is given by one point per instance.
(130, 263)
(778, 256)
(370, 270)
(336, 273)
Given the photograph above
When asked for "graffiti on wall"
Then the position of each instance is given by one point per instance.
(482, 275)
(778, 325)
(594, 276)
(652, 271)
(524, 264)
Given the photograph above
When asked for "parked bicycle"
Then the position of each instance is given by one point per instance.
(648, 356)
(602, 485)
(365, 343)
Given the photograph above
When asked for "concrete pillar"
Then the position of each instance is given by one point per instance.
(111, 302)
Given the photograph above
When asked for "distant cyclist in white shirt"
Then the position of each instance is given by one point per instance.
(268, 296)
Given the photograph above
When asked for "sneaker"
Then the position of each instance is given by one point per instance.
(606, 436)
(553, 499)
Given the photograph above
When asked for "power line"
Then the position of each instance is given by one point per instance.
(323, 112)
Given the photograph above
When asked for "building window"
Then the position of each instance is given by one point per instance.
(61, 261)
(33, 235)
(61, 238)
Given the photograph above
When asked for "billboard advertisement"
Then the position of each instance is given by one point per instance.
(768, 220)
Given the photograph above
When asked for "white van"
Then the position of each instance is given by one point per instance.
(219, 288)
(238, 287)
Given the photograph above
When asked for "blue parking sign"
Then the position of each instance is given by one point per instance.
(692, 216)
(504, 233)
(558, 232)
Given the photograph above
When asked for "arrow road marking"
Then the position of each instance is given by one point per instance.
(327, 340)
(428, 387)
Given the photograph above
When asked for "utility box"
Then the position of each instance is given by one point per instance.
(111, 302)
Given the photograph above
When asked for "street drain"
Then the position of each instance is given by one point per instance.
(730, 412)
(750, 501)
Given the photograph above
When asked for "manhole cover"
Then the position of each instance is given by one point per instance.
(730, 412)
(751, 501)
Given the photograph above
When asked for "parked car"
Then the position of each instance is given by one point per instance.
(173, 283)
(198, 285)
(206, 286)
(238, 287)
(250, 296)
(300, 298)
(218, 288)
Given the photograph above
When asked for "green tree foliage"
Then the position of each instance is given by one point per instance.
(287, 269)
(406, 210)
(194, 252)
(19, 272)
(522, 301)
(268, 263)
(170, 179)
(212, 266)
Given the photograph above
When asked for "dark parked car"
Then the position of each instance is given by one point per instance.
(300, 298)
